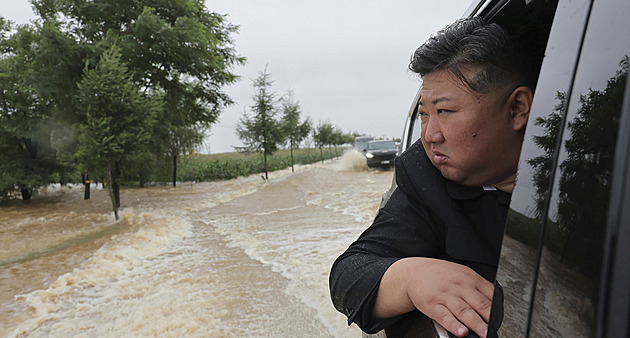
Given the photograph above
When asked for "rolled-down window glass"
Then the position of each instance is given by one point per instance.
(519, 253)
(570, 268)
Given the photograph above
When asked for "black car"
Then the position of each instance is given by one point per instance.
(381, 153)
(361, 142)
(564, 267)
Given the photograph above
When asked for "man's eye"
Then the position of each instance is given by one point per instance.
(440, 111)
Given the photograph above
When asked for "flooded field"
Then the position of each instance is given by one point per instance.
(244, 257)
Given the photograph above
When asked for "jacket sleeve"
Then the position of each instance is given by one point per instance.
(400, 229)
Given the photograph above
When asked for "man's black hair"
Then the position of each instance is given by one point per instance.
(474, 42)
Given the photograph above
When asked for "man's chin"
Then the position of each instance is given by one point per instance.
(458, 178)
(449, 174)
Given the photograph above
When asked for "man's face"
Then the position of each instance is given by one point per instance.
(469, 137)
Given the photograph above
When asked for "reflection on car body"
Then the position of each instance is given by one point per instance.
(564, 265)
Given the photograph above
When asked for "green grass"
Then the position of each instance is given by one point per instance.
(225, 166)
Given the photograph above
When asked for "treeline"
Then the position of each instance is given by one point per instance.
(108, 89)
(274, 122)
(118, 91)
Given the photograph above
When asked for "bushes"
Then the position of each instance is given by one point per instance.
(227, 166)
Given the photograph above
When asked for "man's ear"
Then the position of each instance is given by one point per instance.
(520, 105)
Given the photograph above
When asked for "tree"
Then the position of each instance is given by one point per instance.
(295, 131)
(323, 135)
(118, 120)
(338, 138)
(543, 164)
(182, 140)
(34, 61)
(586, 171)
(177, 48)
(261, 131)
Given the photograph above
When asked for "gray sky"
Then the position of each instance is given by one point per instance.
(345, 60)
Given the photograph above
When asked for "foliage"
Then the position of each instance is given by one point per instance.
(295, 131)
(227, 166)
(542, 164)
(174, 47)
(180, 56)
(30, 133)
(323, 134)
(261, 132)
(137, 62)
(119, 120)
(585, 173)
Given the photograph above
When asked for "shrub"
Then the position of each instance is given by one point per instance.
(225, 166)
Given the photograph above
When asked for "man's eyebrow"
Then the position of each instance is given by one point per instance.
(436, 100)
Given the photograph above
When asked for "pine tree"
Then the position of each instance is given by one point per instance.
(261, 131)
(118, 120)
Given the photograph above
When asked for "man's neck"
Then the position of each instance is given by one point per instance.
(507, 185)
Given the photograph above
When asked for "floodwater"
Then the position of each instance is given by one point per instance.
(244, 257)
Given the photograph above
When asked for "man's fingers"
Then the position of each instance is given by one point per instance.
(446, 318)
(453, 295)
(486, 288)
(469, 317)
(481, 304)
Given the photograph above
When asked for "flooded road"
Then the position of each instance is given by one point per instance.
(235, 258)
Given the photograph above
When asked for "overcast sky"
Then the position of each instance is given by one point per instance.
(345, 61)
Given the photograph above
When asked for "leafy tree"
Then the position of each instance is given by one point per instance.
(118, 119)
(542, 164)
(585, 174)
(587, 171)
(32, 60)
(295, 131)
(346, 138)
(182, 140)
(338, 139)
(323, 136)
(177, 48)
(261, 131)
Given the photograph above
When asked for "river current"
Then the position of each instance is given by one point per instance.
(244, 257)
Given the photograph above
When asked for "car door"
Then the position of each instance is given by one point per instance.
(563, 265)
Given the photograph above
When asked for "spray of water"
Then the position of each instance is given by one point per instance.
(353, 160)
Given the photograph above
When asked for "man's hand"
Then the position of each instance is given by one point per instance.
(452, 294)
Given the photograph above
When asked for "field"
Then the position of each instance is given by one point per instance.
(225, 166)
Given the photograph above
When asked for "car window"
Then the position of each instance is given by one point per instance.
(570, 267)
(519, 253)
(381, 145)
(361, 144)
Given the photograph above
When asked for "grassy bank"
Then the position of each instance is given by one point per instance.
(225, 166)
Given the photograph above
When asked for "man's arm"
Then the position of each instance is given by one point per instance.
(452, 294)
(356, 274)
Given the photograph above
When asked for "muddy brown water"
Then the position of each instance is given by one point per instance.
(244, 257)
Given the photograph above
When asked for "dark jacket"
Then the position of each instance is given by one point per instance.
(426, 216)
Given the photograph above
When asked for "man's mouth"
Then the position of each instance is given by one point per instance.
(438, 157)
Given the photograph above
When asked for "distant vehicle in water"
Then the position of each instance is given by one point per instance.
(381, 153)
(361, 142)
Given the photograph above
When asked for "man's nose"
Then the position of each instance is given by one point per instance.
(433, 131)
